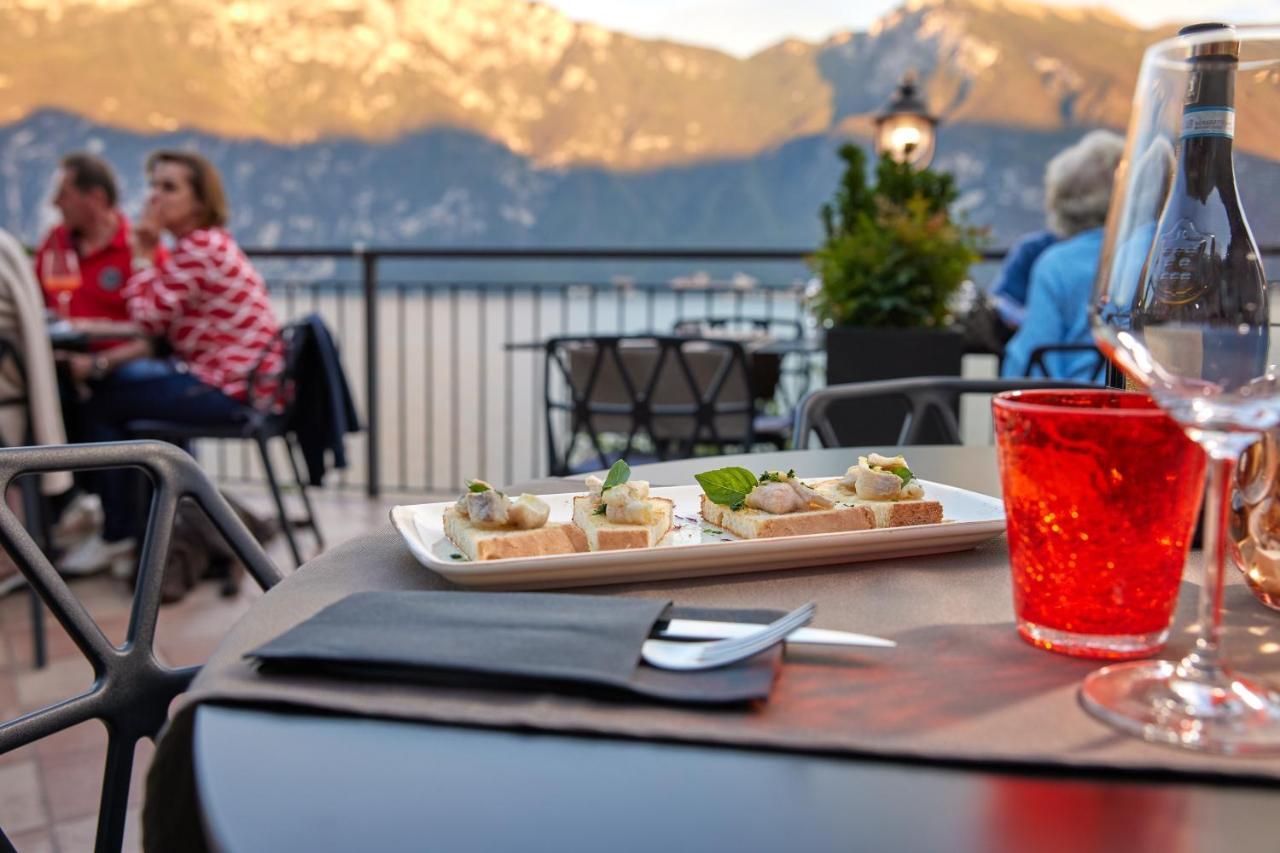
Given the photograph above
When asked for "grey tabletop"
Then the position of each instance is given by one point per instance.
(339, 783)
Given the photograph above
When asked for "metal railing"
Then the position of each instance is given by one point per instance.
(425, 334)
(425, 341)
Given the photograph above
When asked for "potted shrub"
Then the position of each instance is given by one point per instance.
(891, 262)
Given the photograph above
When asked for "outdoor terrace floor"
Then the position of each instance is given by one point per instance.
(49, 790)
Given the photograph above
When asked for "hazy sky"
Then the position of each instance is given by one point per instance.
(745, 26)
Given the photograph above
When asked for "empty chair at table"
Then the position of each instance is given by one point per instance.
(643, 397)
(929, 405)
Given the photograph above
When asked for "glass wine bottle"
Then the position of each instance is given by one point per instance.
(1205, 260)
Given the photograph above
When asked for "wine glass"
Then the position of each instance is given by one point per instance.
(1181, 306)
(61, 273)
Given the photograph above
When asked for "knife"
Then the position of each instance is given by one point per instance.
(699, 629)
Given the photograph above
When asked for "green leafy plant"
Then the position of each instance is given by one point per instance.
(893, 256)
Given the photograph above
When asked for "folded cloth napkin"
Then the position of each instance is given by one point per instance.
(524, 640)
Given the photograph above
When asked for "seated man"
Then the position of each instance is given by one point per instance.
(97, 231)
(1078, 185)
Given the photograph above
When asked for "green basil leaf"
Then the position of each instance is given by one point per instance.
(618, 474)
(476, 486)
(727, 486)
(903, 472)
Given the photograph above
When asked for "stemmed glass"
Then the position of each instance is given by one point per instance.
(61, 274)
(1181, 306)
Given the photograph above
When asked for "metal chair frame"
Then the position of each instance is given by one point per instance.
(702, 412)
(260, 427)
(923, 395)
(1037, 359)
(132, 690)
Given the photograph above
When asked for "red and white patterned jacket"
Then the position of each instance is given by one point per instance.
(211, 305)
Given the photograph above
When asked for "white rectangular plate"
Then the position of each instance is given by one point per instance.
(696, 548)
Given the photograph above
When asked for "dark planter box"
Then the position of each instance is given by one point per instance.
(859, 354)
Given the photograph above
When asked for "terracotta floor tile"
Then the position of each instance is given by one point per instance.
(72, 782)
(21, 804)
(74, 835)
(89, 736)
(61, 679)
(36, 841)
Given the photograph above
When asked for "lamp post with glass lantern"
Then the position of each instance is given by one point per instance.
(904, 128)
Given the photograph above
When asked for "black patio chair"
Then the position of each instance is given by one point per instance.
(263, 421)
(926, 398)
(132, 690)
(677, 392)
(777, 327)
(1036, 365)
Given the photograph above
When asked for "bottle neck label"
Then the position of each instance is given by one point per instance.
(1200, 122)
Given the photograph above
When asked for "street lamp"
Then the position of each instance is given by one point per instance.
(904, 127)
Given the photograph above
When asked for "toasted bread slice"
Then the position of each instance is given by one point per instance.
(902, 513)
(605, 535)
(478, 543)
(749, 523)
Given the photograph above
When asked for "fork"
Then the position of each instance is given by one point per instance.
(666, 654)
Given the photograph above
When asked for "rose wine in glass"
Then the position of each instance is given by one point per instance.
(1181, 306)
(61, 274)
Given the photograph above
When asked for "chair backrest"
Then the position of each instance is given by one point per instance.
(294, 338)
(926, 397)
(675, 392)
(777, 327)
(132, 690)
(1038, 366)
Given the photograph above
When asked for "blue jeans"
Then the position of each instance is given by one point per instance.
(148, 389)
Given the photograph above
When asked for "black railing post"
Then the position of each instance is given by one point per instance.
(369, 278)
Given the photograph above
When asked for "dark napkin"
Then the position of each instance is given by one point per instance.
(522, 640)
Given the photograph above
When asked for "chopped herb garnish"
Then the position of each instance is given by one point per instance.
(600, 510)
(455, 556)
(727, 486)
(477, 486)
(904, 473)
(618, 474)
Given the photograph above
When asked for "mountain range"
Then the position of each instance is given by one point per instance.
(502, 122)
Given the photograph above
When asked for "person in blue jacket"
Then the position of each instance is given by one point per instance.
(1078, 183)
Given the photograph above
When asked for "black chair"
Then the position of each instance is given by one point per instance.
(1036, 363)
(777, 327)
(797, 364)
(263, 421)
(676, 392)
(925, 397)
(131, 691)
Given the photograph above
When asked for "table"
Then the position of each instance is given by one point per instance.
(341, 783)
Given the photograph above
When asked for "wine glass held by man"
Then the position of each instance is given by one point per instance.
(1191, 324)
(210, 306)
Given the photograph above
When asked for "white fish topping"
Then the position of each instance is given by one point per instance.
(528, 512)
(492, 509)
(776, 498)
(773, 500)
(628, 503)
(872, 480)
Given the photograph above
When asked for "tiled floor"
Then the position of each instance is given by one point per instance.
(49, 790)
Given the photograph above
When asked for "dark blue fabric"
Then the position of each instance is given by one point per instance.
(1058, 310)
(142, 390)
(323, 412)
(1014, 280)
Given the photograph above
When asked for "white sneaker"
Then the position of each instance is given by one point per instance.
(96, 555)
(10, 582)
(80, 520)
